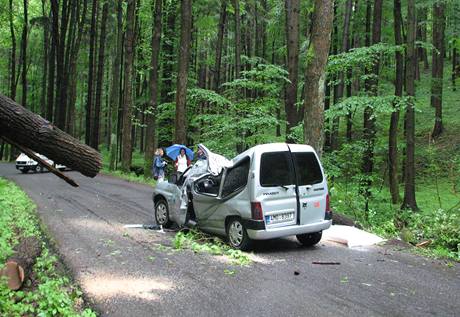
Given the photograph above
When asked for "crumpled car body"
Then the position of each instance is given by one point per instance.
(269, 191)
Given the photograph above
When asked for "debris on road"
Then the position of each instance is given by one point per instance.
(423, 244)
(351, 236)
(325, 263)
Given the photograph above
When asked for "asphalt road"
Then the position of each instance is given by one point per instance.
(133, 272)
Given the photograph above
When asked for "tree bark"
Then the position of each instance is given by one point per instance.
(168, 49)
(236, 7)
(13, 53)
(126, 138)
(219, 45)
(34, 132)
(45, 62)
(92, 48)
(100, 79)
(52, 61)
(399, 83)
(293, 115)
(180, 136)
(409, 168)
(437, 71)
(152, 111)
(317, 55)
(24, 55)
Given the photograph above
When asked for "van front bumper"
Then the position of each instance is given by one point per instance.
(279, 232)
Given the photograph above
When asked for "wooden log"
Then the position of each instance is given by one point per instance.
(32, 131)
(339, 219)
(18, 267)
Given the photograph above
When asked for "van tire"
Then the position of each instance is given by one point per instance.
(309, 239)
(24, 171)
(38, 169)
(162, 213)
(237, 235)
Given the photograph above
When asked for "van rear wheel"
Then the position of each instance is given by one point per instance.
(237, 235)
(310, 239)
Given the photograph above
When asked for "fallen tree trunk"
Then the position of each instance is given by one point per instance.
(339, 219)
(18, 267)
(32, 131)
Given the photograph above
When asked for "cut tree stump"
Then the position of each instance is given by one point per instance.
(18, 267)
(29, 130)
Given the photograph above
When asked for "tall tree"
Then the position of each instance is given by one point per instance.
(45, 61)
(293, 115)
(154, 82)
(127, 89)
(115, 95)
(219, 45)
(236, 8)
(437, 71)
(180, 131)
(52, 60)
(399, 83)
(369, 119)
(317, 56)
(90, 95)
(25, 29)
(13, 53)
(411, 59)
(168, 51)
(100, 79)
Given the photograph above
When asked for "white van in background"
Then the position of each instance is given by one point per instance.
(25, 164)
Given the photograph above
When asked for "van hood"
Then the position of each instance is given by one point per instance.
(216, 162)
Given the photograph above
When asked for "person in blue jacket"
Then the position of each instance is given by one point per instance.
(158, 167)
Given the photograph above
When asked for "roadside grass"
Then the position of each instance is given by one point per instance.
(51, 293)
(200, 242)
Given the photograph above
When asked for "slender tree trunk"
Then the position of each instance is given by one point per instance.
(13, 54)
(24, 55)
(168, 49)
(318, 53)
(180, 133)
(236, 7)
(127, 91)
(52, 61)
(439, 22)
(369, 120)
(153, 85)
(409, 169)
(454, 66)
(399, 83)
(92, 49)
(220, 40)
(115, 85)
(100, 80)
(293, 115)
(45, 62)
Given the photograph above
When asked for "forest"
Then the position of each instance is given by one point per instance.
(372, 85)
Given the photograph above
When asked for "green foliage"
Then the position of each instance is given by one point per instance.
(54, 294)
(200, 242)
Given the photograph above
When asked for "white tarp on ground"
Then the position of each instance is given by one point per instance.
(350, 236)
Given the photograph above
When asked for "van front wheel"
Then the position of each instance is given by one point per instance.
(237, 236)
(310, 239)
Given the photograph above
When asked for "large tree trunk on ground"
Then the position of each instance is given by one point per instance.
(318, 53)
(154, 83)
(19, 266)
(127, 91)
(411, 58)
(32, 131)
(439, 24)
(293, 116)
(180, 136)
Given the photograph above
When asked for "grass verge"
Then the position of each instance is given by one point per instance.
(49, 292)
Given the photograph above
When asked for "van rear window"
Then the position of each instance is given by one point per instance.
(276, 169)
(307, 168)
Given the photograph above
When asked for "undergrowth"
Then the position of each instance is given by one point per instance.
(51, 293)
(201, 242)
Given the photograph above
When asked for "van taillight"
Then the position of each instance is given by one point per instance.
(256, 211)
(328, 214)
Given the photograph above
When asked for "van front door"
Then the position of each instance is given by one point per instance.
(277, 191)
(311, 185)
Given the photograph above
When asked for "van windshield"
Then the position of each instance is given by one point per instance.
(307, 167)
(276, 169)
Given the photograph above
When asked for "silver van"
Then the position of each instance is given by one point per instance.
(269, 191)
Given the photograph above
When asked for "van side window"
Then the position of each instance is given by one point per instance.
(236, 177)
(276, 169)
(308, 169)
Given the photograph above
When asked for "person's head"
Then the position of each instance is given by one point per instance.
(159, 152)
(182, 151)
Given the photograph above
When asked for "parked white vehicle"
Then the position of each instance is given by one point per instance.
(25, 164)
(268, 191)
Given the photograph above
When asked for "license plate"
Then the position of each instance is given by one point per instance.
(288, 216)
(21, 168)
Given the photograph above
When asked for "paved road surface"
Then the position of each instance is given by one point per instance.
(130, 272)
